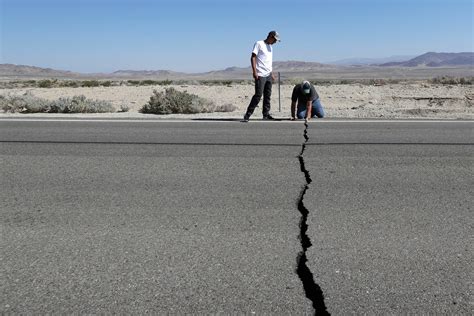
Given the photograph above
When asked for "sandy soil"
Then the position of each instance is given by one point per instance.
(405, 100)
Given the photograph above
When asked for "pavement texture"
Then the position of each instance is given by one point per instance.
(391, 218)
(228, 217)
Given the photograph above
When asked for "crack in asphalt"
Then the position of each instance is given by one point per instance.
(312, 290)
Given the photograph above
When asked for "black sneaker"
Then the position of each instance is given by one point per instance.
(245, 119)
(268, 117)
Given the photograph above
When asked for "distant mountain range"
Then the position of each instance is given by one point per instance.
(436, 60)
(429, 60)
(146, 73)
(282, 66)
(32, 71)
(370, 61)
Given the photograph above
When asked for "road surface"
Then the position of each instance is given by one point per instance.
(208, 216)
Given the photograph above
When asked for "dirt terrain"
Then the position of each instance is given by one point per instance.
(400, 100)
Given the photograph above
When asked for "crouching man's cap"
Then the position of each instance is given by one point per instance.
(306, 86)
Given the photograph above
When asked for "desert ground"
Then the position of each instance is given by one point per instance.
(390, 101)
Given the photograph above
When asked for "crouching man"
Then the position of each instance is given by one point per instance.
(305, 100)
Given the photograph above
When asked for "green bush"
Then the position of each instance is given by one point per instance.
(107, 83)
(148, 82)
(90, 83)
(218, 82)
(165, 82)
(70, 83)
(46, 83)
(452, 80)
(174, 101)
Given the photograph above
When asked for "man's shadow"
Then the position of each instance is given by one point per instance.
(238, 120)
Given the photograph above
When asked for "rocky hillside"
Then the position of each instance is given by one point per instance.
(437, 60)
(31, 71)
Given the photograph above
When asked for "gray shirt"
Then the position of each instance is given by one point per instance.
(301, 97)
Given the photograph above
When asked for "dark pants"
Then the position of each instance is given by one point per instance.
(263, 86)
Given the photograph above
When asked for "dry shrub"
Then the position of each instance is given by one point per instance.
(225, 108)
(447, 80)
(28, 103)
(173, 101)
(80, 104)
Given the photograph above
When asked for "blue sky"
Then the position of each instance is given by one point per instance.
(203, 35)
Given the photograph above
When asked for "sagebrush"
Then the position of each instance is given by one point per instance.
(28, 103)
(172, 101)
(447, 80)
(80, 104)
(23, 104)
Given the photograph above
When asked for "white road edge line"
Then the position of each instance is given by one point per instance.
(231, 121)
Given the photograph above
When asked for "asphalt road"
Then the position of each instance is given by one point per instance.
(204, 217)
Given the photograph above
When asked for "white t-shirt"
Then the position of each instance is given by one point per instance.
(264, 58)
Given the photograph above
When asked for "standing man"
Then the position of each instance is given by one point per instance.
(262, 60)
(308, 102)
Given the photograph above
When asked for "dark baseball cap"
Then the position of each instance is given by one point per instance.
(275, 35)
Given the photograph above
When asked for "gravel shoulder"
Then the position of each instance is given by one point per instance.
(390, 101)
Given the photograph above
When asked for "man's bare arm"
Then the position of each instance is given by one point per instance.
(293, 109)
(253, 62)
(309, 107)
